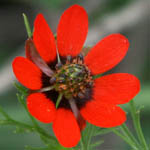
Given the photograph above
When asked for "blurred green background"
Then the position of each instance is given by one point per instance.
(129, 17)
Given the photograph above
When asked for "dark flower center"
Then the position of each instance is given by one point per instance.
(73, 78)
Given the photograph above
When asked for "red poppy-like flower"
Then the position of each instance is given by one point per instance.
(70, 80)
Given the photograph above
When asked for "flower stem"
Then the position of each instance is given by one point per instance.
(27, 25)
(89, 139)
(37, 127)
(4, 113)
(136, 121)
(86, 138)
(128, 133)
(82, 144)
(125, 138)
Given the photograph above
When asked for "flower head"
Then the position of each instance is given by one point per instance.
(59, 76)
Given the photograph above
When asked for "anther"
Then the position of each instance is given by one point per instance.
(80, 58)
(53, 80)
(61, 80)
(90, 84)
(69, 58)
(63, 76)
(81, 95)
(58, 66)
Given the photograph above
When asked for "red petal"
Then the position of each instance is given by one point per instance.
(72, 31)
(41, 108)
(107, 53)
(43, 39)
(118, 88)
(103, 114)
(66, 128)
(27, 73)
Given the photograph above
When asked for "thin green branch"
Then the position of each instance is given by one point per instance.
(21, 100)
(136, 121)
(86, 138)
(125, 138)
(82, 144)
(89, 139)
(4, 113)
(128, 133)
(21, 89)
(103, 131)
(37, 127)
(27, 25)
(17, 123)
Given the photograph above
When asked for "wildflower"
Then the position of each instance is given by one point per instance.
(59, 76)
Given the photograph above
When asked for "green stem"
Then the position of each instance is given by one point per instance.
(4, 113)
(128, 133)
(90, 136)
(27, 25)
(17, 123)
(136, 121)
(125, 138)
(85, 140)
(37, 127)
(82, 144)
(24, 105)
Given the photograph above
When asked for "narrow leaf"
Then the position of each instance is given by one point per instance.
(103, 131)
(27, 25)
(21, 89)
(98, 143)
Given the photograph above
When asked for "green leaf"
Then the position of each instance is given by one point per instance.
(97, 76)
(59, 100)
(20, 130)
(102, 131)
(38, 129)
(21, 89)
(48, 141)
(95, 144)
(87, 135)
(4, 113)
(27, 25)
(91, 131)
(5, 122)
(22, 126)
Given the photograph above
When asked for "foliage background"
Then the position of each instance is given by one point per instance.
(129, 17)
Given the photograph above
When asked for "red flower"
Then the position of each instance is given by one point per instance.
(83, 97)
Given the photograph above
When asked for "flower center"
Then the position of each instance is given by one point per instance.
(73, 78)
